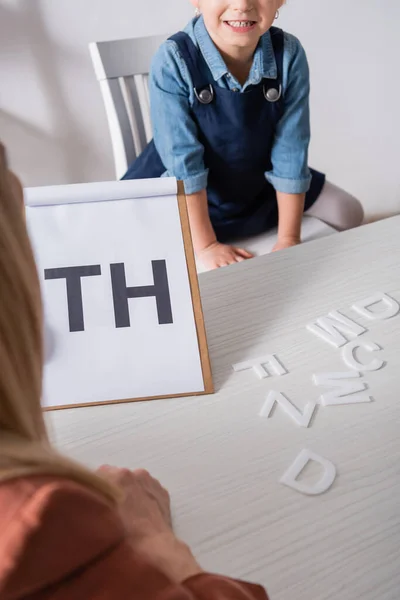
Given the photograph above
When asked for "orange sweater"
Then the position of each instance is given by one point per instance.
(60, 541)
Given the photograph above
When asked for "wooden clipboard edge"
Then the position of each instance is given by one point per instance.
(195, 291)
(122, 401)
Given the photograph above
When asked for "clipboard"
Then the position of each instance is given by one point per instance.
(55, 200)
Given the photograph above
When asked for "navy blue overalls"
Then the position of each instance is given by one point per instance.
(237, 131)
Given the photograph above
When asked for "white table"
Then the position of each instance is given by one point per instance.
(222, 462)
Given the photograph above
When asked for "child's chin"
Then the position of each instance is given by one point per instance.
(241, 40)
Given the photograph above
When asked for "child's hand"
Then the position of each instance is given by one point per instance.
(220, 255)
(286, 242)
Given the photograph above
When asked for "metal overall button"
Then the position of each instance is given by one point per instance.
(205, 96)
(272, 94)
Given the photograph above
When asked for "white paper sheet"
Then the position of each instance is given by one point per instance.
(100, 192)
(103, 362)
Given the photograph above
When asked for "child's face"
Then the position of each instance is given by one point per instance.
(238, 23)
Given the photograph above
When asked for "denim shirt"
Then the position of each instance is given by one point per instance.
(175, 131)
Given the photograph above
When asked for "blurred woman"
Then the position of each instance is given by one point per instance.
(67, 533)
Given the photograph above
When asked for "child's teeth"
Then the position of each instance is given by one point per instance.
(240, 23)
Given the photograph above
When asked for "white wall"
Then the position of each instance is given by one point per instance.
(354, 52)
(53, 122)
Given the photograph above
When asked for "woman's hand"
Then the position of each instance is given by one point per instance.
(221, 255)
(145, 508)
(145, 511)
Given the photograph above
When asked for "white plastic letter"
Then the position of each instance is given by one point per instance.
(332, 327)
(349, 356)
(346, 392)
(389, 309)
(300, 418)
(322, 485)
(259, 366)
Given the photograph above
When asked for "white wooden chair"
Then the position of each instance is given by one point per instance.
(122, 68)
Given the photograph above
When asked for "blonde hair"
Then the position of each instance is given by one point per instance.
(24, 445)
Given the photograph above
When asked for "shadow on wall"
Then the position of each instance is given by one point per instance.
(26, 45)
(25, 145)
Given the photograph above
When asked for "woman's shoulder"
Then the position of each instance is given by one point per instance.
(50, 527)
(30, 493)
(36, 492)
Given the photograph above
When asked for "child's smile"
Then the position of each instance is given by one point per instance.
(241, 26)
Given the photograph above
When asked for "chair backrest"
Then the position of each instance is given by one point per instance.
(122, 68)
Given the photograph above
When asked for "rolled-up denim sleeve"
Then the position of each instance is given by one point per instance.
(290, 173)
(175, 131)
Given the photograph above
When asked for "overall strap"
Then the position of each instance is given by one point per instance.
(193, 58)
(272, 88)
(277, 39)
